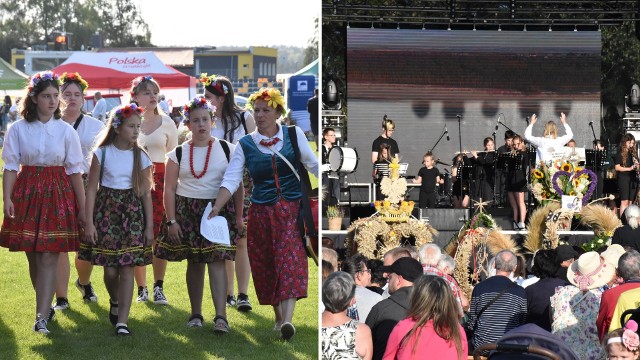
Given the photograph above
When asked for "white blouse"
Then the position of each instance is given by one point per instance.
(54, 143)
(90, 131)
(160, 141)
(217, 130)
(118, 167)
(207, 186)
(233, 175)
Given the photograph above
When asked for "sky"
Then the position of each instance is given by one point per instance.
(230, 22)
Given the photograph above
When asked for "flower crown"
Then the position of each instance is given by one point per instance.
(125, 112)
(272, 96)
(74, 77)
(629, 338)
(197, 102)
(214, 82)
(40, 77)
(139, 80)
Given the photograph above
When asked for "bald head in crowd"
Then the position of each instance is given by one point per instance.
(394, 254)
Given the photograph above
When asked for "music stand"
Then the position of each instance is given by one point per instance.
(464, 172)
(595, 159)
(512, 162)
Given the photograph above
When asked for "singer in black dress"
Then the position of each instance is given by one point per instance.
(517, 183)
(485, 174)
(626, 161)
(460, 181)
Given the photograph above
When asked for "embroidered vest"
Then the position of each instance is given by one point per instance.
(260, 166)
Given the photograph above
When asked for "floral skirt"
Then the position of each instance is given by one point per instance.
(276, 254)
(157, 197)
(119, 220)
(45, 212)
(193, 246)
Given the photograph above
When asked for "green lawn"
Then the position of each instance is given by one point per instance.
(84, 331)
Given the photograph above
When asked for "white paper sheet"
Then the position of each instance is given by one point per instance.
(215, 229)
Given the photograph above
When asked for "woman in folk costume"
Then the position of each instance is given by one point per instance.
(73, 88)
(119, 213)
(230, 124)
(158, 136)
(193, 176)
(42, 189)
(276, 253)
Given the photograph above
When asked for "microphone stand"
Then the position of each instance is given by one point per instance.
(460, 168)
(596, 164)
(437, 142)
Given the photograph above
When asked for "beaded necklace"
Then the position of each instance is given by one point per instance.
(206, 161)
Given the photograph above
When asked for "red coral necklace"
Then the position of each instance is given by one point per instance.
(268, 143)
(206, 161)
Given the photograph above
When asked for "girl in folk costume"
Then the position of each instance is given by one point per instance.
(42, 189)
(231, 123)
(193, 176)
(158, 135)
(73, 88)
(276, 253)
(120, 215)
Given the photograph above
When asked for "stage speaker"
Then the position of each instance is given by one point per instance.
(445, 219)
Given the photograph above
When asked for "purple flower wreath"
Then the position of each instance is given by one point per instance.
(593, 178)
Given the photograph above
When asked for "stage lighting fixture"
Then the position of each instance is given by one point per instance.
(575, 27)
(474, 27)
(499, 27)
(525, 27)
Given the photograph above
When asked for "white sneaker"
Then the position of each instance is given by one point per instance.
(522, 226)
(158, 296)
(143, 295)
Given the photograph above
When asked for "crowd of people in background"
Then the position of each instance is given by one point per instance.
(121, 189)
(409, 305)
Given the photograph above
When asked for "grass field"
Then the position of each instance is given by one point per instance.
(159, 332)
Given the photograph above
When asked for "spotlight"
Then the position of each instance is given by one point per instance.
(575, 27)
(423, 26)
(525, 27)
(499, 27)
(474, 27)
(348, 27)
(449, 28)
(550, 28)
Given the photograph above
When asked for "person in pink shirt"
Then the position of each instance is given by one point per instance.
(432, 328)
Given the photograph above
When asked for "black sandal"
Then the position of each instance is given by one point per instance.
(113, 317)
(192, 323)
(123, 330)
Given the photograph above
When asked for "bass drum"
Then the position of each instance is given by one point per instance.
(343, 159)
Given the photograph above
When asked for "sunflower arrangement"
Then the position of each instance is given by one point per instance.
(552, 181)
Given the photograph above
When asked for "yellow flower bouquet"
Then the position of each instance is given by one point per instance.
(551, 182)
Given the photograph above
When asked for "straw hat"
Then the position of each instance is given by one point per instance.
(612, 254)
(590, 271)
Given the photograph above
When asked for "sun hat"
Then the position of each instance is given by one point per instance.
(590, 271)
(613, 254)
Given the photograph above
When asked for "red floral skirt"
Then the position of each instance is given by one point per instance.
(45, 212)
(157, 197)
(278, 259)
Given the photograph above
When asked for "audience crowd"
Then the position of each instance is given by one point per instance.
(410, 306)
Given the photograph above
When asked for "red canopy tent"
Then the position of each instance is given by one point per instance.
(116, 70)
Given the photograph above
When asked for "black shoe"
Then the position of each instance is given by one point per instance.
(61, 304)
(231, 300)
(123, 330)
(113, 317)
(243, 303)
(52, 314)
(88, 295)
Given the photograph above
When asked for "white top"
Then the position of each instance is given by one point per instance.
(365, 300)
(233, 175)
(89, 130)
(207, 186)
(118, 167)
(160, 141)
(546, 146)
(100, 110)
(53, 143)
(217, 130)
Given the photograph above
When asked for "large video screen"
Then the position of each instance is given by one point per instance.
(423, 79)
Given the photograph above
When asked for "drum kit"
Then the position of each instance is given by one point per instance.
(343, 159)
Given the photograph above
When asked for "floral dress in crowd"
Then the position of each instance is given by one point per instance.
(574, 320)
(339, 342)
